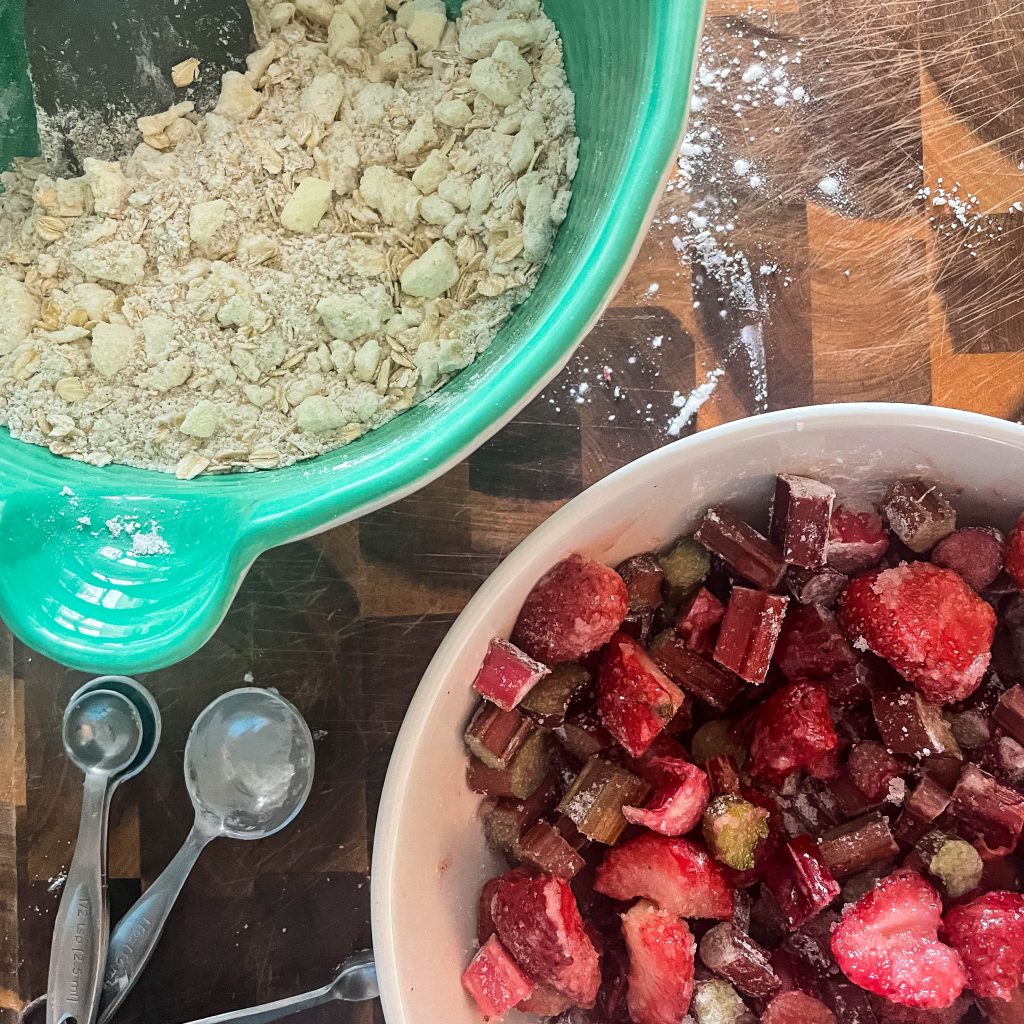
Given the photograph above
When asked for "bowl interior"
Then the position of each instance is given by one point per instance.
(430, 857)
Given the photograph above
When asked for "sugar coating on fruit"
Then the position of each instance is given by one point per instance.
(988, 933)
(661, 951)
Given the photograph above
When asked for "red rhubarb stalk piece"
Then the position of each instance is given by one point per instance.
(857, 845)
(495, 980)
(735, 956)
(661, 950)
(525, 772)
(643, 577)
(746, 641)
(595, 801)
(988, 933)
(583, 735)
(507, 674)
(741, 547)
(1009, 712)
(798, 878)
(544, 848)
(485, 918)
(926, 803)
(723, 774)
(693, 672)
(1015, 554)
(677, 804)
(698, 621)
(911, 725)
(918, 514)
(987, 810)
(974, 553)
(812, 648)
(797, 1008)
(496, 736)
(801, 517)
(549, 701)
(857, 539)
(792, 730)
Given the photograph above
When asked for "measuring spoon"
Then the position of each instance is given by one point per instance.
(248, 769)
(102, 734)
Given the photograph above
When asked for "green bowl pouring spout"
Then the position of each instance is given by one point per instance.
(81, 589)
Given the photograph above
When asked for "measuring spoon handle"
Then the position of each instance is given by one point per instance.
(267, 1012)
(139, 931)
(80, 934)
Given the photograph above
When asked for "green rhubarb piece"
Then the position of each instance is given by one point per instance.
(716, 737)
(686, 567)
(548, 702)
(732, 829)
(953, 861)
(717, 1002)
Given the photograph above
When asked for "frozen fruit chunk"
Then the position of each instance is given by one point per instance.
(545, 1002)
(746, 641)
(539, 923)
(544, 848)
(857, 845)
(911, 725)
(507, 674)
(871, 768)
(1009, 712)
(693, 672)
(661, 949)
(685, 567)
(792, 730)
(952, 861)
(988, 933)
(719, 736)
(525, 772)
(675, 874)
(549, 700)
(635, 699)
(918, 514)
(723, 774)
(507, 818)
(801, 517)
(698, 620)
(595, 800)
(485, 919)
(816, 586)
(797, 1008)
(887, 942)
(926, 622)
(678, 802)
(974, 553)
(496, 736)
(741, 547)
(583, 735)
(926, 803)
(812, 648)
(643, 577)
(735, 956)
(857, 538)
(985, 809)
(495, 981)
(572, 610)
(716, 1002)
(733, 828)
(1015, 554)
(796, 875)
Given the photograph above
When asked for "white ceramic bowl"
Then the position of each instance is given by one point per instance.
(430, 857)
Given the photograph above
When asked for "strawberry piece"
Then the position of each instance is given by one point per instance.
(678, 803)
(573, 609)
(698, 619)
(926, 622)
(813, 649)
(749, 631)
(661, 950)
(792, 730)
(540, 925)
(872, 768)
(974, 553)
(495, 980)
(797, 1008)
(801, 517)
(887, 942)
(674, 873)
(796, 875)
(635, 699)
(1015, 554)
(507, 675)
(857, 538)
(988, 933)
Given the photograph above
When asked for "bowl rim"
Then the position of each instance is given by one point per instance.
(438, 674)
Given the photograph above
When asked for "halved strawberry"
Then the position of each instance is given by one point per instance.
(540, 925)
(926, 622)
(661, 950)
(495, 980)
(678, 802)
(635, 699)
(988, 933)
(698, 621)
(887, 942)
(572, 610)
(797, 1008)
(674, 873)
(792, 730)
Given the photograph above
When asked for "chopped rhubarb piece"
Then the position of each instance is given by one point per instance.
(643, 577)
(801, 517)
(496, 736)
(545, 1002)
(820, 587)
(583, 735)
(741, 547)
(796, 875)
(661, 950)
(723, 774)
(953, 862)
(733, 828)
(718, 737)
(749, 631)
(926, 622)
(1009, 712)
(857, 539)
(855, 846)
(849, 798)
(918, 514)
(887, 942)
(812, 648)
(573, 609)
(548, 702)
(540, 925)
(792, 730)
(975, 553)
(507, 819)
(694, 673)
(485, 919)
(1015, 554)
(872, 768)
(735, 956)
(972, 729)
(507, 674)
(495, 980)
(715, 1001)
(909, 724)
(850, 1003)
(544, 848)
(525, 772)
(984, 808)
(638, 625)
(797, 1008)
(635, 699)
(595, 801)
(677, 804)
(698, 621)
(924, 806)
(675, 874)
(648, 766)
(686, 567)
(988, 933)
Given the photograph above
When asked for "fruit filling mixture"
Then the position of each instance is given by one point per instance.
(762, 778)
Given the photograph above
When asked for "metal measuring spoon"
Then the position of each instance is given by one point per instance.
(103, 734)
(249, 769)
(355, 983)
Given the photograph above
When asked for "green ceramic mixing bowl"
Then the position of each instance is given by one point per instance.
(71, 588)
